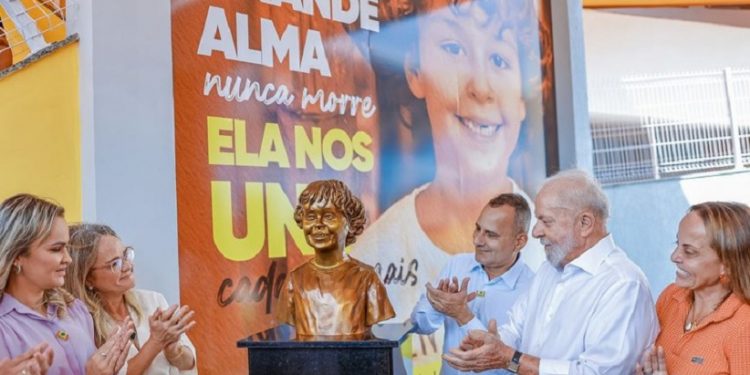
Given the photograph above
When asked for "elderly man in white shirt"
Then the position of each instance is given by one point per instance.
(589, 309)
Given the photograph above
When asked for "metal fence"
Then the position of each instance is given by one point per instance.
(651, 127)
(29, 26)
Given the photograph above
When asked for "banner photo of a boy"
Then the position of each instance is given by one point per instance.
(426, 109)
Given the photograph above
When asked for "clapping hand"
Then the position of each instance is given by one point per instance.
(36, 361)
(452, 299)
(652, 362)
(480, 351)
(167, 326)
(110, 357)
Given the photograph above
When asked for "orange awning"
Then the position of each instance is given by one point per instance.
(658, 3)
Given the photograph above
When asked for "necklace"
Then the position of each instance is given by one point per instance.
(691, 324)
(327, 267)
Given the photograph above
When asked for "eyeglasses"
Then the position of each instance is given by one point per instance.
(116, 264)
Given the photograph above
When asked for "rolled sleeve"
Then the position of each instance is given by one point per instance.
(426, 319)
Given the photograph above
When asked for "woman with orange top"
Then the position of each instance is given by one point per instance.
(705, 314)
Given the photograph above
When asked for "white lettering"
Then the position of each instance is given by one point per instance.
(235, 89)
(285, 47)
(314, 57)
(216, 21)
(345, 15)
(231, 92)
(369, 16)
(365, 10)
(244, 52)
(287, 44)
(339, 103)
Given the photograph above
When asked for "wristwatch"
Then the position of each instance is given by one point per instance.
(515, 362)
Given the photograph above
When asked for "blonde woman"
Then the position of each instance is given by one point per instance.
(34, 309)
(102, 276)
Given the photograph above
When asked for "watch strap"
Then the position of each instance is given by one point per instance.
(515, 362)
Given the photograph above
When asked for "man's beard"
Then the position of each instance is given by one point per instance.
(557, 253)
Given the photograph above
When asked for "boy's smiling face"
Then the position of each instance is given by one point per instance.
(468, 72)
(324, 225)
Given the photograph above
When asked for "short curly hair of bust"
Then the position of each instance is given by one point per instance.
(342, 198)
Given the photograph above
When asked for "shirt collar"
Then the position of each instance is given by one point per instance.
(725, 311)
(510, 277)
(592, 258)
(9, 303)
(682, 295)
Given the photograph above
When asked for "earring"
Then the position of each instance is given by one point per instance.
(90, 288)
(17, 268)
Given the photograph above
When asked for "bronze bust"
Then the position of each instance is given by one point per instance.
(332, 295)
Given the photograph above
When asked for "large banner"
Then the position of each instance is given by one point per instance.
(425, 108)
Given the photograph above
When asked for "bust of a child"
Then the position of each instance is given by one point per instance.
(332, 294)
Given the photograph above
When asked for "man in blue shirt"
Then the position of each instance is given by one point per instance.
(589, 308)
(491, 278)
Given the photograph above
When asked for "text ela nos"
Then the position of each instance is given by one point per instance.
(227, 145)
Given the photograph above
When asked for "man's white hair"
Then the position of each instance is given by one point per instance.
(580, 191)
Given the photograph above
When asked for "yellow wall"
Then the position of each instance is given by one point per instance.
(40, 131)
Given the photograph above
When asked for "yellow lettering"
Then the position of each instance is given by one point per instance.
(218, 143)
(272, 149)
(231, 247)
(307, 148)
(330, 138)
(364, 162)
(280, 220)
(242, 157)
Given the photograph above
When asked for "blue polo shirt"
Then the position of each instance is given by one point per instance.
(494, 300)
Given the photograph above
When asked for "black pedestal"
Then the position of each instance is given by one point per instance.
(277, 352)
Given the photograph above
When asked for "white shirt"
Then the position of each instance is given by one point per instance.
(596, 316)
(493, 301)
